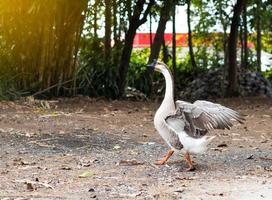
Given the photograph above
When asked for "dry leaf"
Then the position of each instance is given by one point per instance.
(265, 158)
(185, 178)
(130, 162)
(116, 147)
(86, 174)
(30, 184)
(222, 145)
(65, 168)
(29, 187)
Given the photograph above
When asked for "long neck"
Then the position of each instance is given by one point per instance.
(169, 89)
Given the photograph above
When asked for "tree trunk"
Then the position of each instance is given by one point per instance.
(115, 24)
(232, 49)
(245, 38)
(107, 45)
(134, 23)
(165, 52)
(190, 42)
(242, 46)
(95, 6)
(224, 22)
(174, 43)
(259, 35)
(120, 21)
(128, 7)
(150, 30)
(164, 17)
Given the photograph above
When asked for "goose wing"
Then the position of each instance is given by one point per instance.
(207, 115)
(183, 122)
(198, 118)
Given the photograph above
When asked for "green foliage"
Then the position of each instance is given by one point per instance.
(267, 42)
(96, 76)
(137, 75)
(39, 43)
(41, 51)
(185, 74)
(252, 60)
(268, 75)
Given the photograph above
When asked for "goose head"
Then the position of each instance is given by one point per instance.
(157, 66)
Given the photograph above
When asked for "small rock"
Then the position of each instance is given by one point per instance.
(93, 196)
(179, 191)
(222, 145)
(65, 168)
(29, 187)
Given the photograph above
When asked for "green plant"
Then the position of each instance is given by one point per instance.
(95, 75)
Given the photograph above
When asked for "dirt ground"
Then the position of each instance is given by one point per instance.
(83, 148)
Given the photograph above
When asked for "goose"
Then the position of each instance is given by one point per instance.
(184, 125)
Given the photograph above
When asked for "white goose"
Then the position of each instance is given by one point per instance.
(184, 125)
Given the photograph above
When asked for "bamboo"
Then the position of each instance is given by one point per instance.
(40, 39)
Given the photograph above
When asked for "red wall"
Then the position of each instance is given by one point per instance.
(142, 40)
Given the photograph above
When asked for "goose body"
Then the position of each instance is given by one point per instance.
(184, 125)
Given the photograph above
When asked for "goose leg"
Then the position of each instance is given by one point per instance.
(189, 162)
(165, 158)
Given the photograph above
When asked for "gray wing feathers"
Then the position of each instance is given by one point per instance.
(182, 122)
(221, 114)
(175, 123)
(174, 127)
(207, 115)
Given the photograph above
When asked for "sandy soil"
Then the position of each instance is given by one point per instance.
(84, 148)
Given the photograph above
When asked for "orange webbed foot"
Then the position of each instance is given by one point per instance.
(165, 158)
(188, 160)
(160, 162)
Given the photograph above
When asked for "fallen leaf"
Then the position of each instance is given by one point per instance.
(92, 196)
(30, 184)
(145, 108)
(219, 149)
(116, 147)
(45, 104)
(144, 135)
(179, 191)
(19, 161)
(86, 174)
(130, 162)
(265, 158)
(222, 145)
(65, 168)
(269, 169)
(41, 144)
(185, 178)
(214, 194)
(29, 187)
(86, 162)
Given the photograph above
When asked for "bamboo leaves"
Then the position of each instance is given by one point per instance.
(40, 42)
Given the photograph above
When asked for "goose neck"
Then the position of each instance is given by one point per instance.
(169, 89)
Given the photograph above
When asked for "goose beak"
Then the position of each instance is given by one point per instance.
(151, 66)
